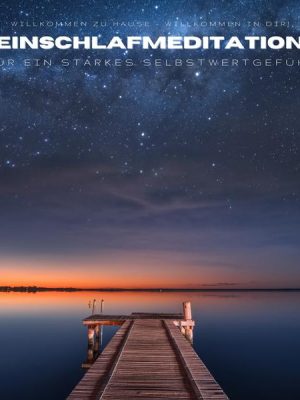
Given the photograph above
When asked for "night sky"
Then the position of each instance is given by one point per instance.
(149, 176)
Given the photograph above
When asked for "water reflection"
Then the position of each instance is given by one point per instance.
(95, 336)
(249, 341)
(94, 346)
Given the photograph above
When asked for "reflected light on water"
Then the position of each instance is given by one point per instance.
(242, 337)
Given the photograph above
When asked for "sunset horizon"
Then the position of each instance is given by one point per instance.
(150, 272)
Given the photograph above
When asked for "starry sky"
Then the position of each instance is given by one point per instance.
(149, 176)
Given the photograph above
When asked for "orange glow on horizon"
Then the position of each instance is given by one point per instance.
(127, 272)
(84, 274)
(81, 281)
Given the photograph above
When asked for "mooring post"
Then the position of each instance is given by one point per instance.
(182, 329)
(90, 358)
(189, 334)
(91, 336)
(97, 337)
(187, 329)
(187, 310)
(91, 343)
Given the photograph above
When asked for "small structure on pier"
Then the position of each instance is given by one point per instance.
(149, 357)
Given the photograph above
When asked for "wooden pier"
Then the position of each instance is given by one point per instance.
(149, 357)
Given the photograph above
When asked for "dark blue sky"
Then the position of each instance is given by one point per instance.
(156, 173)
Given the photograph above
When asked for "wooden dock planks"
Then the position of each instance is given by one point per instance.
(148, 359)
(102, 319)
(203, 383)
(148, 367)
(93, 382)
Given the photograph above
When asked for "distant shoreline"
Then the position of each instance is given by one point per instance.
(36, 289)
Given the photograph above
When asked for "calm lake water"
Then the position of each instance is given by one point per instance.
(249, 341)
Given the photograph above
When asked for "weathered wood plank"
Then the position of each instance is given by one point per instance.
(148, 350)
(203, 383)
(148, 358)
(102, 319)
(91, 384)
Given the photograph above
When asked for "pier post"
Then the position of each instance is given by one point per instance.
(91, 347)
(187, 310)
(189, 334)
(182, 329)
(189, 323)
(90, 358)
(91, 336)
(97, 337)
